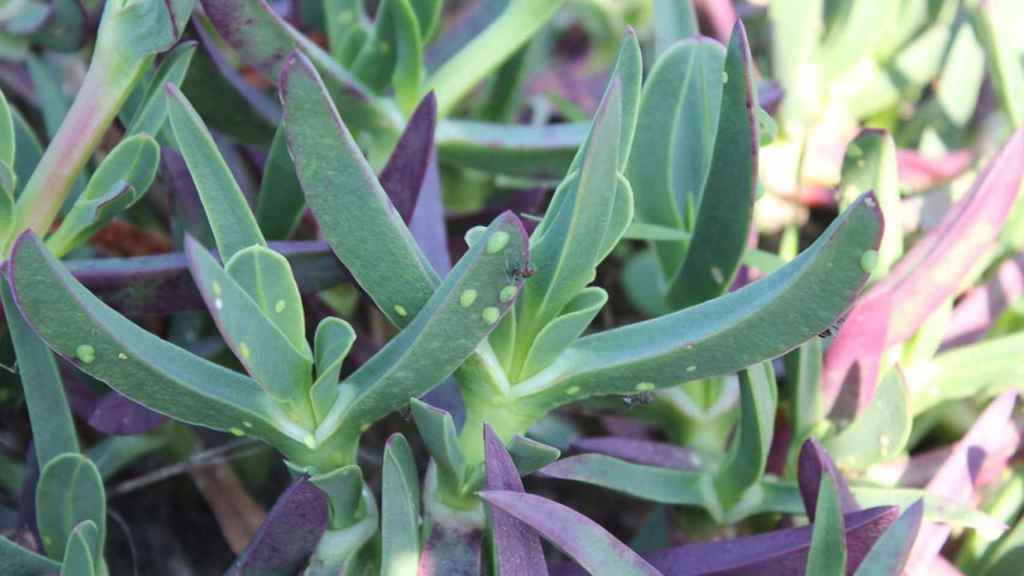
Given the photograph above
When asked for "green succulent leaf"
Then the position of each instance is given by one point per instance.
(151, 113)
(233, 224)
(892, 549)
(140, 365)
(53, 430)
(428, 13)
(827, 556)
(748, 453)
(516, 24)
(83, 552)
(344, 489)
(437, 428)
(879, 432)
(803, 381)
(460, 314)
(573, 320)
(757, 322)
(675, 140)
(541, 153)
(376, 59)
(967, 370)
(400, 510)
(281, 202)
(994, 22)
(870, 164)
(7, 136)
(531, 455)
(143, 27)
(20, 561)
(121, 180)
(359, 221)
(674, 20)
(726, 206)
(263, 341)
(332, 342)
(70, 491)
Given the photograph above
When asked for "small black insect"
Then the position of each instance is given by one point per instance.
(517, 272)
(641, 399)
(833, 328)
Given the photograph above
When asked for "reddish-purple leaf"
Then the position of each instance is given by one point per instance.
(814, 462)
(931, 273)
(640, 451)
(403, 175)
(288, 535)
(977, 459)
(517, 546)
(428, 225)
(451, 551)
(778, 553)
(919, 172)
(593, 547)
(978, 310)
(118, 415)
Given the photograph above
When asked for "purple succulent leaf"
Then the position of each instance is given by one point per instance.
(778, 553)
(518, 547)
(924, 278)
(81, 397)
(586, 542)
(452, 551)
(979, 458)
(428, 225)
(813, 462)
(403, 175)
(978, 310)
(117, 415)
(157, 285)
(640, 451)
(919, 172)
(289, 534)
(720, 16)
(184, 196)
(889, 555)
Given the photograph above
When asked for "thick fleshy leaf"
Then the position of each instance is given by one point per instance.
(996, 32)
(673, 21)
(517, 547)
(267, 278)
(121, 180)
(538, 152)
(870, 164)
(332, 342)
(288, 535)
(456, 319)
(140, 365)
(813, 465)
(437, 428)
(428, 224)
(927, 276)
(979, 457)
(759, 321)
(407, 78)
(675, 139)
(70, 491)
(966, 371)
(234, 226)
(581, 538)
(517, 23)
(83, 551)
(640, 451)
(281, 203)
(400, 510)
(562, 331)
(151, 114)
(222, 95)
(779, 553)
(264, 41)
(653, 483)
(890, 553)
(403, 175)
(981, 306)
(748, 453)
(827, 556)
(145, 27)
(450, 550)
(20, 561)
(530, 455)
(53, 430)
(65, 29)
(355, 214)
(803, 383)
(881, 431)
(344, 487)
(157, 285)
(117, 415)
(269, 354)
(726, 206)
(7, 141)
(571, 244)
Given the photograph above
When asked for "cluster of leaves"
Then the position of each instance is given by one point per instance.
(284, 222)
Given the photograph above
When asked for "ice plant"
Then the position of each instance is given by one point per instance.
(278, 224)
